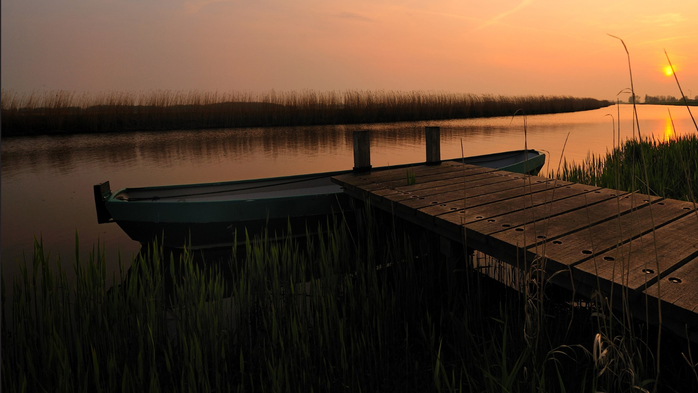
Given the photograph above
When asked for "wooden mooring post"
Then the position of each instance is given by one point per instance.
(433, 137)
(362, 148)
(362, 151)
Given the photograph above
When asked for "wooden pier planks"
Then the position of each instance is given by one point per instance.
(679, 287)
(602, 237)
(656, 240)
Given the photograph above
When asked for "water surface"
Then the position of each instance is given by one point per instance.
(46, 184)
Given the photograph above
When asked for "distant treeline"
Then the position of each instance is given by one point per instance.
(64, 112)
(667, 99)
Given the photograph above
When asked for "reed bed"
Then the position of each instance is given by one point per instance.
(59, 112)
(672, 168)
(375, 310)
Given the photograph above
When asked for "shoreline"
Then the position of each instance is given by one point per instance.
(63, 114)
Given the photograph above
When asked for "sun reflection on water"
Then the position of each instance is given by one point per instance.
(669, 133)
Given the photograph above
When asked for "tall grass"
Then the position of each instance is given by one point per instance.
(672, 168)
(666, 169)
(55, 112)
(622, 348)
(377, 310)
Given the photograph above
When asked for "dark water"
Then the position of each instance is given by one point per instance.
(46, 184)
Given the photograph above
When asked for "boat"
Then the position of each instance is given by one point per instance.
(209, 215)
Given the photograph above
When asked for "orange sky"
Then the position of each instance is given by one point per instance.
(515, 47)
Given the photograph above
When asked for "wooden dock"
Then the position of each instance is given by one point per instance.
(594, 240)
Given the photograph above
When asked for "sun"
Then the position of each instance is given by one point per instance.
(668, 71)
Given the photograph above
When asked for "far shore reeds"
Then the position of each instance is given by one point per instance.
(66, 112)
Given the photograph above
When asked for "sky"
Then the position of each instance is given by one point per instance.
(507, 47)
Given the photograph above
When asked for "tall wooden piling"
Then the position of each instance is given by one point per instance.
(433, 137)
(362, 151)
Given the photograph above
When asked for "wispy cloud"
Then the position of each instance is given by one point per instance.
(354, 16)
(194, 6)
(663, 20)
(503, 15)
(664, 40)
(450, 15)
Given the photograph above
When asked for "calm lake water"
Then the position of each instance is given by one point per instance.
(46, 184)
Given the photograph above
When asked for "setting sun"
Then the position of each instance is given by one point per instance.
(668, 71)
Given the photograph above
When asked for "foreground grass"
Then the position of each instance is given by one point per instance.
(57, 112)
(336, 312)
(672, 168)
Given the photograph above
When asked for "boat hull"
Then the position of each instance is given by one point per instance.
(223, 233)
(222, 214)
(223, 223)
